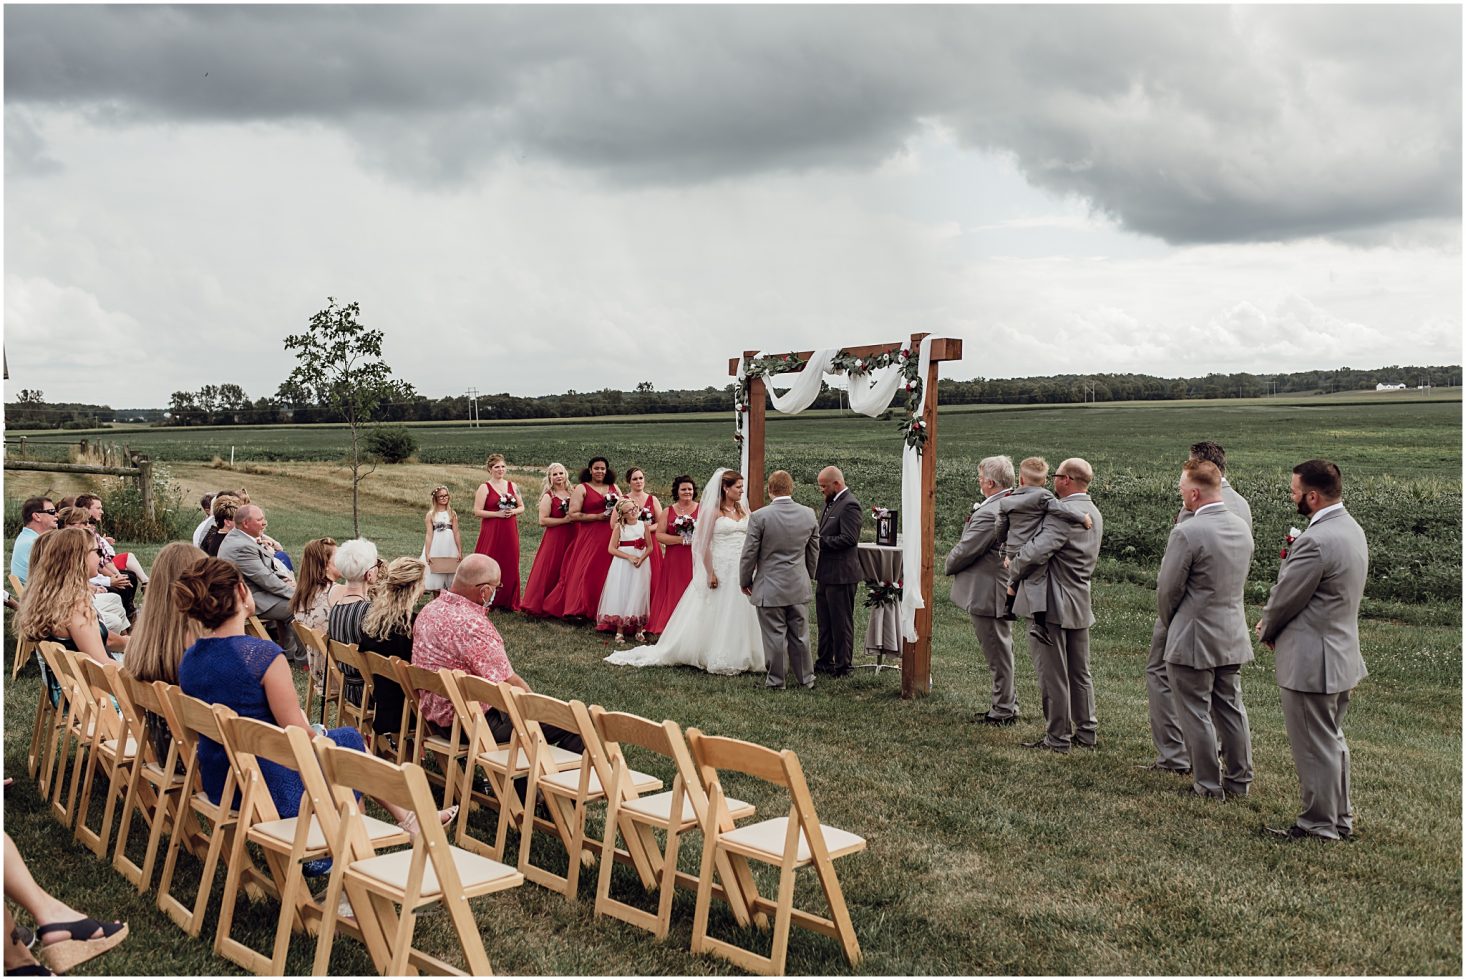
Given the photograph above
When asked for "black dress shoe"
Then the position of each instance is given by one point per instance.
(842, 673)
(987, 719)
(1041, 745)
(1190, 792)
(1294, 832)
(1157, 767)
(1092, 746)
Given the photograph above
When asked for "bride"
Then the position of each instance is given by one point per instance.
(714, 626)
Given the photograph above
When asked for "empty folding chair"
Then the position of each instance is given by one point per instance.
(156, 788)
(568, 793)
(287, 842)
(789, 843)
(432, 871)
(113, 750)
(686, 798)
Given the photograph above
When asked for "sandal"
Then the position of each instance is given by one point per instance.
(63, 956)
(641, 636)
(30, 970)
(409, 822)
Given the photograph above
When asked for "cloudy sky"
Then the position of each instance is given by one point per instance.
(531, 199)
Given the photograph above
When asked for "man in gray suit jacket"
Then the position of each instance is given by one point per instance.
(1311, 622)
(1165, 730)
(1204, 627)
(979, 585)
(779, 558)
(1061, 652)
(272, 593)
(838, 574)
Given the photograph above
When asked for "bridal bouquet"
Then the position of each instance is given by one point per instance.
(684, 526)
(1288, 540)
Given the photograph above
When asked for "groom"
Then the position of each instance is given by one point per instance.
(779, 559)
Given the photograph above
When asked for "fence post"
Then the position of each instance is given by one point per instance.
(145, 484)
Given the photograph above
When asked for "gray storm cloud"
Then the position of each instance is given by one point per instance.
(1192, 124)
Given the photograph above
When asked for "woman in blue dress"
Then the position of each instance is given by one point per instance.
(251, 676)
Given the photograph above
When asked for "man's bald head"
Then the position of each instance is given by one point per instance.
(474, 572)
(831, 481)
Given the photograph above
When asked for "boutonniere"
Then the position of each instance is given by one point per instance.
(1288, 540)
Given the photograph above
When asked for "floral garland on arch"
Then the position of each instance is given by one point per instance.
(913, 428)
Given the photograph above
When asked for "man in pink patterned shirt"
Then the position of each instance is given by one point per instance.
(453, 632)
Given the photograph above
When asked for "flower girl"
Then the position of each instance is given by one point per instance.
(442, 541)
(627, 595)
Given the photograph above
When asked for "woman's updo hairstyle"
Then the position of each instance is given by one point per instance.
(633, 471)
(208, 592)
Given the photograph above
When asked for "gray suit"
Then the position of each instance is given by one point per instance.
(1061, 653)
(1165, 730)
(1199, 595)
(979, 586)
(779, 559)
(271, 592)
(1312, 618)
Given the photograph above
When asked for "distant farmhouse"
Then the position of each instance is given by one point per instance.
(1382, 386)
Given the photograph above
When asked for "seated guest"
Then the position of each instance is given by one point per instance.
(221, 523)
(271, 591)
(122, 580)
(66, 938)
(453, 632)
(316, 587)
(108, 605)
(162, 631)
(37, 516)
(387, 629)
(126, 562)
(251, 676)
(359, 565)
(206, 504)
(57, 603)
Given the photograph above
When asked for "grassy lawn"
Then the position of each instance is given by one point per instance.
(983, 858)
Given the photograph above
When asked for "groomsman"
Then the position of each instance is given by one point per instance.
(1311, 622)
(1061, 652)
(837, 575)
(1204, 630)
(979, 585)
(1165, 730)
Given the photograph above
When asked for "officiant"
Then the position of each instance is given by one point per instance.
(837, 575)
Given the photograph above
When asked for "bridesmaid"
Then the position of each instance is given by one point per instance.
(578, 593)
(650, 514)
(549, 560)
(497, 503)
(676, 567)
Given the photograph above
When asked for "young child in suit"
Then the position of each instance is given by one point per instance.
(1020, 515)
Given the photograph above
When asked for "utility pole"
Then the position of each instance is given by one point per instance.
(473, 407)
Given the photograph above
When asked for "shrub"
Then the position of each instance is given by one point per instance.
(391, 445)
(125, 519)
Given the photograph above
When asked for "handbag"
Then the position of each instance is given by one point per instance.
(443, 565)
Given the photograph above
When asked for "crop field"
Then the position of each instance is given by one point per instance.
(982, 858)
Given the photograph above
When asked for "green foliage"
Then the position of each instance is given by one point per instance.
(126, 520)
(391, 445)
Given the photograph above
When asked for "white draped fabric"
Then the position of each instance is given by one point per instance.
(871, 393)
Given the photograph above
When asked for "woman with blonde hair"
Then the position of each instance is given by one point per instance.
(387, 629)
(162, 632)
(57, 604)
(498, 503)
(440, 526)
(549, 559)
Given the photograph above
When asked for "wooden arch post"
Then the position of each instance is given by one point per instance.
(916, 656)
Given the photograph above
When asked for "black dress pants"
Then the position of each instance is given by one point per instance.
(835, 610)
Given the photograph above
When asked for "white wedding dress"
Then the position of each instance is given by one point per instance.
(714, 629)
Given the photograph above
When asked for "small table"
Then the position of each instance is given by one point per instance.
(882, 563)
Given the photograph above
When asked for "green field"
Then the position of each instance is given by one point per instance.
(982, 859)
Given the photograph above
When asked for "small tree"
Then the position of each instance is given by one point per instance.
(339, 365)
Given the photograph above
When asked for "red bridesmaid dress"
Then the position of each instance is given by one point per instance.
(499, 539)
(675, 575)
(586, 563)
(549, 560)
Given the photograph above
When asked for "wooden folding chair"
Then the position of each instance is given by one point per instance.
(358, 716)
(155, 790)
(80, 728)
(471, 696)
(253, 627)
(432, 871)
(314, 645)
(44, 730)
(287, 843)
(452, 752)
(686, 798)
(569, 793)
(190, 720)
(383, 670)
(68, 719)
(22, 647)
(114, 748)
(789, 843)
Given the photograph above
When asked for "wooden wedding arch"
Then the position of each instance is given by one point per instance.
(916, 656)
